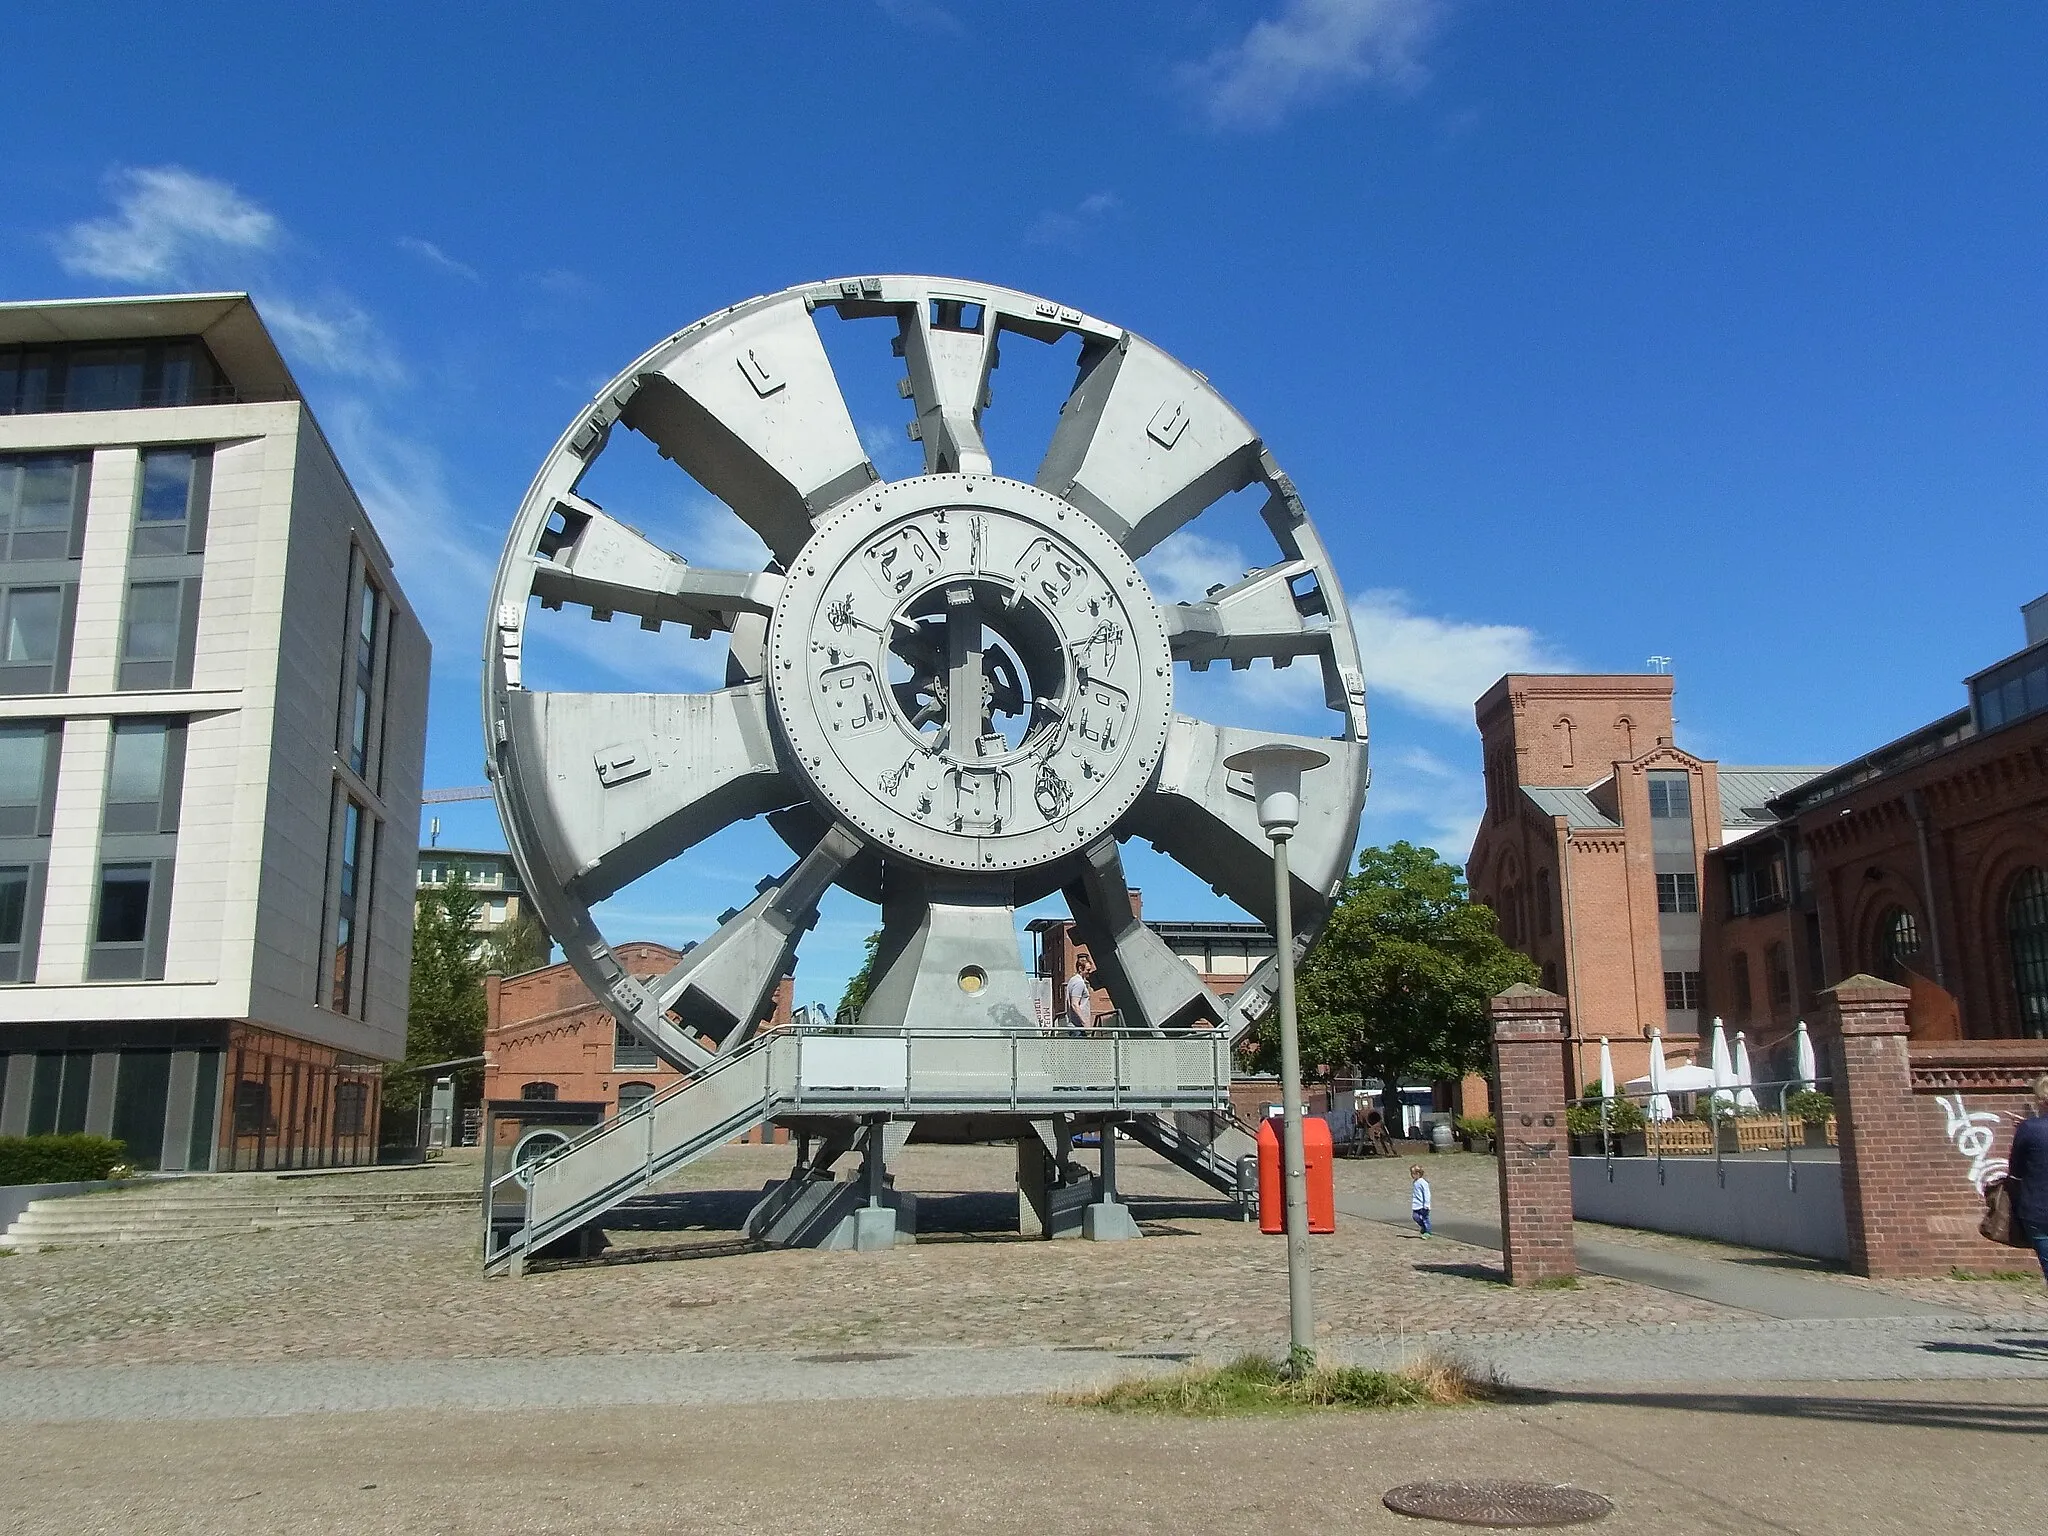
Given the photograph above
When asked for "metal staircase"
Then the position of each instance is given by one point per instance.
(1211, 1144)
(850, 1073)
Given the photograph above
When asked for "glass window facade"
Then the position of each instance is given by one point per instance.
(341, 988)
(42, 505)
(1681, 991)
(110, 376)
(362, 679)
(2012, 691)
(172, 490)
(1671, 796)
(1678, 893)
(159, 632)
(2026, 931)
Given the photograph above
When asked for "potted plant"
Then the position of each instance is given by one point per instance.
(1814, 1110)
(1478, 1131)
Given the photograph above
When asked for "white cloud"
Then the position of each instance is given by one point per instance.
(339, 339)
(1182, 567)
(1418, 795)
(1440, 666)
(1066, 226)
(166, 221)
(433, 255)
(444, 557)
(1312, 49)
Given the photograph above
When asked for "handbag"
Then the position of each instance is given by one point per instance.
(1999, 1224)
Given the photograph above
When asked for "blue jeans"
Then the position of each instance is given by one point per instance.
(2039, 1237)
(1422, 1221)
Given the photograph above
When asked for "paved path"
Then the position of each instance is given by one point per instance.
(1832, 1461)
(1765, 1291)
(1943, 1349)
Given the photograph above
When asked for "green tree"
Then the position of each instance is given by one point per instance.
(519, 946)
(445, 1020)
(855, 997)
(1397, 983)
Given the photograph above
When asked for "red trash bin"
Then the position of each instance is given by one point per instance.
(1318, 1158)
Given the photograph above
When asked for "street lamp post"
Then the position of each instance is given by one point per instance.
(1276, 771)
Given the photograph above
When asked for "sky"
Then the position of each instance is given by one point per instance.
(1590, 333)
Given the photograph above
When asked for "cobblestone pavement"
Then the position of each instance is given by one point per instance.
(1468, 1186)
(411, 1289)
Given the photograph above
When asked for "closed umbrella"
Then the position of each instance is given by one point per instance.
(1660, 1101)
(1606, 1070)
(1802, 1044)
(1722, 1067)
(1744, 1098)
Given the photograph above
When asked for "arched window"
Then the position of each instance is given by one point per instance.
(1543, 903)
(1738, 970)
(633, 1095)
(2026, 929)
(537, 1093)
(1898, 943)
(1778, 976)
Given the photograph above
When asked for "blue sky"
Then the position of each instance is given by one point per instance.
(1590, 332)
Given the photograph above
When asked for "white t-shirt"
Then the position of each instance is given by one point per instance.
(1080, 1000)
(1418, 1197)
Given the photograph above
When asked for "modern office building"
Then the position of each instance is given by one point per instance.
(212, 717)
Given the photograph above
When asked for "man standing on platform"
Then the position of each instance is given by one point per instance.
(1081, 997)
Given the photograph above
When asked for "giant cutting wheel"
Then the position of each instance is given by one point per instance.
(950, 693)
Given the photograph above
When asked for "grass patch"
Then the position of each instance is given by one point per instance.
(1557, 1283)
(2009, 1276)
(1255, 1384)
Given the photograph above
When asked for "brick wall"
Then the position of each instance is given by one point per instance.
(1535, 1160)
(1922, 1128)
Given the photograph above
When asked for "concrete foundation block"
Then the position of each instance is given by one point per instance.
(1106, 1223)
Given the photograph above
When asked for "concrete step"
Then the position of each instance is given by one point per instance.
(156, 1216)
(56, 1221)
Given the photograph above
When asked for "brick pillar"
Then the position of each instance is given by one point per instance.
(1864, 1019)
(1535, 1156)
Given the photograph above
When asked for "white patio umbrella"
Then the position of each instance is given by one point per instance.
(1660, 1101)
(1723, 1068)
(1802, 1045)
(1744, 1098)
(1606, 1070)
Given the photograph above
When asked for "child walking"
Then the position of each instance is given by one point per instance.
(1418, 1200)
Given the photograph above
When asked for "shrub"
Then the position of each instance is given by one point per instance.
(1257, 1384)
(1810, 1106)
(1476, 1125)
(58, 1159)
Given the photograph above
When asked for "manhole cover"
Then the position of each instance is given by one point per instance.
(855, 1356)
(1497, 1503)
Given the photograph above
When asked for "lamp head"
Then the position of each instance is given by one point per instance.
(1276, 769)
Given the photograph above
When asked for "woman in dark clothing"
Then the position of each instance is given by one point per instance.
(2029, 1171)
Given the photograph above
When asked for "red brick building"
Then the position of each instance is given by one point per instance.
(1593, 852)
(548, 1039)
(1659, 889)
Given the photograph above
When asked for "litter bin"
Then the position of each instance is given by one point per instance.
(1317, 1160)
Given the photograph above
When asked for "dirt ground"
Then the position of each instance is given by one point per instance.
(1890, 1458)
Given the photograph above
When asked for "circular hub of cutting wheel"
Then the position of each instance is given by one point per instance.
(970, 672)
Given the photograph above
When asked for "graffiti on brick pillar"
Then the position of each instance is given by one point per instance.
(1973, 1133)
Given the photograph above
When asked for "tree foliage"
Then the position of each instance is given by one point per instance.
(445, 1021)
(519, 946)
(1397, 984)
(855, 997)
